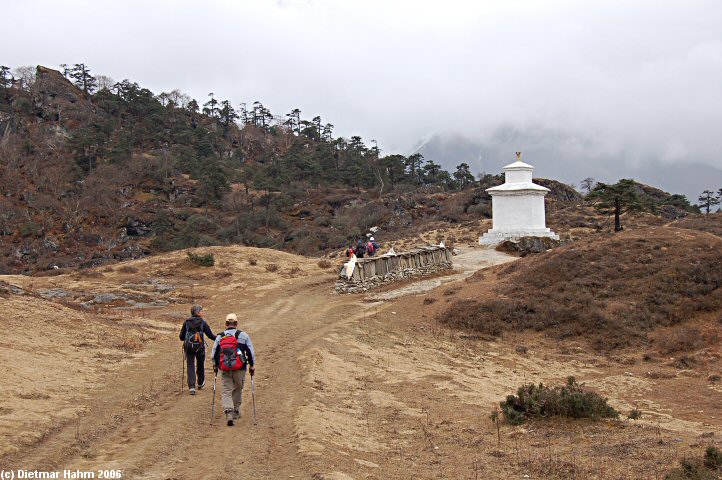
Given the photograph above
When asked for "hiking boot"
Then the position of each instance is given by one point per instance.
(230, 423)
(200, 387)
(192, 391)
(236, 414)
(230, 417)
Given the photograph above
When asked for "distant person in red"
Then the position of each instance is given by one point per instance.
(350, 251)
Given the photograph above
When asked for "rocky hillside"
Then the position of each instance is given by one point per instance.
(121, 173)
(93, 177)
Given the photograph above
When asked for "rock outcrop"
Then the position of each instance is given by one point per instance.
(527, 245)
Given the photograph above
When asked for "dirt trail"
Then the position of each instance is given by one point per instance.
(168, 435)
(346, 388)
(142, 424)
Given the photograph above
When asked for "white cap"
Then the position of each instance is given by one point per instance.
(372, 239)
(231, 318)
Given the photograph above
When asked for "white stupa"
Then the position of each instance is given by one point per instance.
(517, 206)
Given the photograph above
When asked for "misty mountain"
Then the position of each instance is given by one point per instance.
(565, 157)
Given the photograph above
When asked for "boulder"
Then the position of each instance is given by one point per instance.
(527, 245)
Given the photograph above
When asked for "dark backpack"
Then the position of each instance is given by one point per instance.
(360, 250)
(194, 339)
(229, 357)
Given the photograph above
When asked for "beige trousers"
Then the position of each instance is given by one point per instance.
(231, 389)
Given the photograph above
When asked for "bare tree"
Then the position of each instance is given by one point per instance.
(588, 184)
(104, 82)
(25, 76)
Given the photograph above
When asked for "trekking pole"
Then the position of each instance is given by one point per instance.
(183, 372)
(253, 396)
(213, 404)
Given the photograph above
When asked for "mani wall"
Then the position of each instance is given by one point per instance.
(368, 273)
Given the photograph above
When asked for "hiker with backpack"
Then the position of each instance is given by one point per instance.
(350, 251)
(232, 353)
(375, 244)
(194, 346)
(360, 249)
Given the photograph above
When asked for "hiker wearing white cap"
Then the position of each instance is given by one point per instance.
(232, 351)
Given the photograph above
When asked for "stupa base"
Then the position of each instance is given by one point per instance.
(493, 237)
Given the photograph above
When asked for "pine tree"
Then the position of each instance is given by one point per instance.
(463, 176)
(245, 118)
(431, 170)
(708, 199)
(210, 108)
(327, 133)
(213, 181)
(617, 199)
(261, 116)
(227, 115)
(82, 78)
(6, 78)
(294, 121)
(414, 163)
(394, 167)
(316, 121)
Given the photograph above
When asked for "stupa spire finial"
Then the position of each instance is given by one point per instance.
(518, 156)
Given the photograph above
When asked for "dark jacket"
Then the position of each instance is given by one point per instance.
(196, 324)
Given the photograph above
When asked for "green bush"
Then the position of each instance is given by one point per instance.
(568, 401)
(696, 469)
(713, 458)
(635, 414)
(206, 260)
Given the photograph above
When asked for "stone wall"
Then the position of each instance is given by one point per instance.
(376, 271)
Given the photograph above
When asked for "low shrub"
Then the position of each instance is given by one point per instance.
(252, 262)
(570, 400)
(127, 269)
(203, 260)
(635, 414)
(271, 267)
(452, 291)
(707, 468)
(323, 263)
(683, 339)
(713, 458)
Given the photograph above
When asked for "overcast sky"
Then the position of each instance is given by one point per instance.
(635, 79)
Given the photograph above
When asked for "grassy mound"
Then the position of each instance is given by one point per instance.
(612, 289)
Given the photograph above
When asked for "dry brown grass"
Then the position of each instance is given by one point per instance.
(323, 263)
(612, 289)
(711, 223)
(127, 269)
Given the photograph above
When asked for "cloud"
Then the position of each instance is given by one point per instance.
(637, 79)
